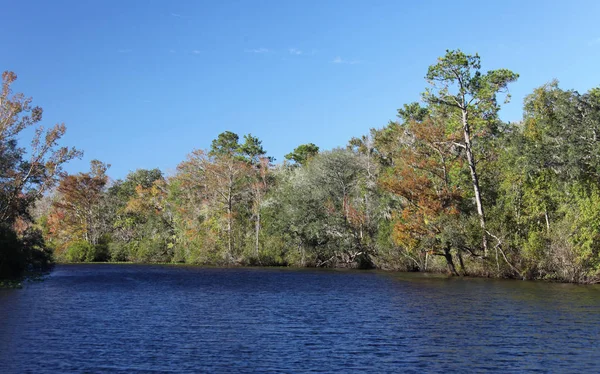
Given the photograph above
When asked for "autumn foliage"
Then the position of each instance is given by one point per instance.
(446, 187)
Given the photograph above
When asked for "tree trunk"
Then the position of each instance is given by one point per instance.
(229, 226)
(461, 262)
(257, 232)
(475, 180)
(449, 261)
(301, 248)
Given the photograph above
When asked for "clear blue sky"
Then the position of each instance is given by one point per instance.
(140, 84)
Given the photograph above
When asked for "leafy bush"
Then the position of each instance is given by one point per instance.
(80, 251)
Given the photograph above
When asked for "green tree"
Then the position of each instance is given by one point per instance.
(457, 82)
(140, 217)
(252, 150)
(549, 183)
(226, 144)
(303, 153)
(320, 212)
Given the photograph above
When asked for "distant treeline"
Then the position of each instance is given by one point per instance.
(447, 187)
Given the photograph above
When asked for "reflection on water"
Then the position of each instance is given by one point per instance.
(135, 318)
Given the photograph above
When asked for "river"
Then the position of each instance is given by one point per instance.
(177, 319)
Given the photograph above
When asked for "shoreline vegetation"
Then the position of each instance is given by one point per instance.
(25, 278)
(447, 187)
(403, 273)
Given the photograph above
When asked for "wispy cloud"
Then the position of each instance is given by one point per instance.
(339, 60)
(172, 51)
(124, 50)
(258, 50)
(294, 51)
(180, 16)
(594, 42)
(196, 51)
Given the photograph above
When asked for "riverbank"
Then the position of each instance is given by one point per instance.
(437, 271)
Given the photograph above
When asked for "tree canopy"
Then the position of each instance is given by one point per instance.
(446, 186)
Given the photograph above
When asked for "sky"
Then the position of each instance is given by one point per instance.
(140, 84)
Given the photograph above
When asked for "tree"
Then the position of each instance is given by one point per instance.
(259, 187)
(426, 177)
(25, 180)
(226, 144)
(24, 177)
(303, 153)
(227, 152)
(549, 186)
(221, 180)
(76, 213)
(319, 211)
(364, 147)
(140, 217)
(457, 82)
(252, 150)
(152, 223)
(254, 153)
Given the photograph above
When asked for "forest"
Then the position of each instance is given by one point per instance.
(445, 187)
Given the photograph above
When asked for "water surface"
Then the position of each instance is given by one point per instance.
(137, 318)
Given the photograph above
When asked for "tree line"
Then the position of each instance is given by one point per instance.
(447, 186)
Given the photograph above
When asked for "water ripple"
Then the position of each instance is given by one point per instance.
(166, 319)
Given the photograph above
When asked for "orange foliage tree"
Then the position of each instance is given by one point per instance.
(75, 213)
(425, 175)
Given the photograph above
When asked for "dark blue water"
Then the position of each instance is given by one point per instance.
(129, 318)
